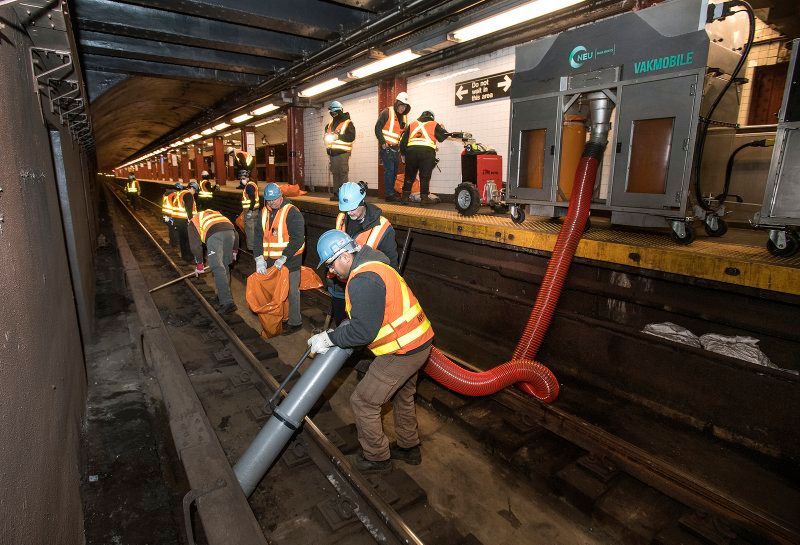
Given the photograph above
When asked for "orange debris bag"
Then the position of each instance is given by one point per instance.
(292, 190)
(268, 296)
(398, 184)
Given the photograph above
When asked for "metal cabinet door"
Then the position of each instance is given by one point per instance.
(534, 127)
(652, 166)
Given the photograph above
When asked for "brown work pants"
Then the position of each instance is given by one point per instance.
(389, 377)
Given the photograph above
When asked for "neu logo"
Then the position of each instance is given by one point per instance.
(579, 55)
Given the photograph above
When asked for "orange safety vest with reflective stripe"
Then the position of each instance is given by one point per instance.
(132, 186)
(371, 237)
(243, 160)
(422, 134)
(205, 190)
(405, 326)
(392, 129)
(178, 210)
(332, 140)
(166, 205)
(276, 238)
(205, 220)
(246, 197)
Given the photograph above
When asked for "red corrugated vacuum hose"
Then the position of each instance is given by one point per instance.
(533, 378)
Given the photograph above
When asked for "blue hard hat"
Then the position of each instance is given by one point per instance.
(335, 106)
(351, 195)
(272, 192)
(193, 185)
(332, 244)
(178, 185)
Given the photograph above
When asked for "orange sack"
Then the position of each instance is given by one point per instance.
(268, 296)
(398, 184)
(292, 190)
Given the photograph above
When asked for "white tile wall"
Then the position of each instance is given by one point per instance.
(363, 110)
(487, 121)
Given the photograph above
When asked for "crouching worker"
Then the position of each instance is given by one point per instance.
(211, 228)
(386, 317)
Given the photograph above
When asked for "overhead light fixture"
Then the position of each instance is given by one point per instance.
(196, 136)
(384, 64)
(241, 118)
(327, 85)
(221, 126)
(207, 132)
(176, 144)
(509, 18)
(264, 109)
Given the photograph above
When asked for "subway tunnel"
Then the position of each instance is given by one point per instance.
(581, 215)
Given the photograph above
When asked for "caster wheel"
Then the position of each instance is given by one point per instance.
(792, 245)
(517, 214)
(467, 199)
(685, 238)
(715, 227)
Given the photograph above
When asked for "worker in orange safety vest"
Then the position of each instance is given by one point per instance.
(389, 128)
(217, 232)
(340, 134)
(418, 145)
(386, 317)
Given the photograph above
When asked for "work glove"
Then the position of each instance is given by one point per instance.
(320, 343)
(199, 269)
(234, 255)
(166, 219)
(248, 214)
(280, 262)
(261, 265)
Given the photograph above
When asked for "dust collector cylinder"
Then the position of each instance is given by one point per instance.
(573, 138)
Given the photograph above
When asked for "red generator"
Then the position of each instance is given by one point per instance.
(481, 179)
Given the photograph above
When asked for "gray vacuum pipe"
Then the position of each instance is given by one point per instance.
(287, 418)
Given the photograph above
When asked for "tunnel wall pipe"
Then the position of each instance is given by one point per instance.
(532, 377)
(287, 418)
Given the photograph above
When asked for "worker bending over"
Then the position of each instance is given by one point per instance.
(282, 232)
(206, 190)
(132, 190)
(388, 130)
(340, 134)
(250, 208)
(211, 228)
(385, 316)
(419, 144)
(365, 224)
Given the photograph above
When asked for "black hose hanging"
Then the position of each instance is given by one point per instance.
(704, 123)
(764, 142)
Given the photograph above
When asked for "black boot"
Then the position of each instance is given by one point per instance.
(411, 455)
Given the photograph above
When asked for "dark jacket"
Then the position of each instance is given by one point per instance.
(387, 245)
(188, 205)
(440, 133)
(368, 300)
(197, 245)
(251, 194)
(296, 225)
(349, 134)
(382, 119)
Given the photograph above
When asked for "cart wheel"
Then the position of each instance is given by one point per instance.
(715, 226)
(517, 213)
(686, 237)
(467, 199)
(792, 244)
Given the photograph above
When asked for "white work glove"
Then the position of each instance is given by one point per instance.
(248, 214)
(261, 265)
(320, 343)
(166, 219)
(280, 262)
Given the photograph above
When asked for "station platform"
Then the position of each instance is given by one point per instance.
(739, 258)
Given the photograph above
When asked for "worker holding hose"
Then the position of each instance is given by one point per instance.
(386, 317)
(282, 232)
(211, 228)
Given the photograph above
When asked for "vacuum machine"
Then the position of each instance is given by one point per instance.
(669, 73)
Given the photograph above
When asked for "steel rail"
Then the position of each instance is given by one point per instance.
(385, 512)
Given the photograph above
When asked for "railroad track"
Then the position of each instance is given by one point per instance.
(350, 496)
(618, 455)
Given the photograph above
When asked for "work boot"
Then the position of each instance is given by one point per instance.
(227, 309)
(405, 198)
(289, 329)
(411, 455)
(368, 466)
(425, 200)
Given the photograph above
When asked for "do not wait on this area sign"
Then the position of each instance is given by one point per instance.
(485, 88)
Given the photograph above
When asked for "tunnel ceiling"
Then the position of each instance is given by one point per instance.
(152, 65)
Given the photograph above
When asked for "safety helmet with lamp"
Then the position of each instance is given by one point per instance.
(351, 195)
(332, 244)
(272, 192)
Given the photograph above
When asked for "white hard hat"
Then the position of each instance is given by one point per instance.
(229, 149)
(204, 173)
(402, 97)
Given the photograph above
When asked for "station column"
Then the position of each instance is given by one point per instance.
(184, 164)
(295, 145)
(220, 165)
(199, 162)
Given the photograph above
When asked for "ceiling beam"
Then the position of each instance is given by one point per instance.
(97, 43)
(135, 21)
(369, 5)
(117, 65)
(309, 18)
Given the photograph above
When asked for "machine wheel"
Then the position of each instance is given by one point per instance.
(685, 238)
(792, 245)
(517, 213)
(467, 199)
(716, 228)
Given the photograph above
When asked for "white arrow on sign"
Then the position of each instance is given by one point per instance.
(461, 92)
(505, 85)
